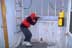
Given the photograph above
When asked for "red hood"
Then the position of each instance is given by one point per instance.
(33, 15)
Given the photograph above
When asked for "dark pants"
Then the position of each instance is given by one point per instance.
(26, 33)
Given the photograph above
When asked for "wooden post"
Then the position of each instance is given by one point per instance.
(3, 8)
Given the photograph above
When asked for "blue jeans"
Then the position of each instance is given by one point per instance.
(27, 33)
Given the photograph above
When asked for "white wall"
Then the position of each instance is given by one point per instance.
(49, 31)
(10, 20)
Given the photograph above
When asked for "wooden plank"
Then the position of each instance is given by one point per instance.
(3, 8)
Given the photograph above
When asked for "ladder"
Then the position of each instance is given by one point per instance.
(18, 13)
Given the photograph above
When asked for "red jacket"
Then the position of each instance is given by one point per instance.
(26, 23)
(31, 20)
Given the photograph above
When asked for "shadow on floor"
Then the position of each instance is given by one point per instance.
(38, 45)
(35, 45)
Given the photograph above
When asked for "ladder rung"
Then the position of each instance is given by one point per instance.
(18, 17)
(18, 10)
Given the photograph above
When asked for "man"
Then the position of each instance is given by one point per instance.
(26, 23)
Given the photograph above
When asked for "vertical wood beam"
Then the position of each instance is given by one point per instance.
(3, 8)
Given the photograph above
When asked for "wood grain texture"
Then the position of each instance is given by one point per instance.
(3, 8)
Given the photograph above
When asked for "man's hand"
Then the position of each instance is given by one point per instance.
(38, 17)
(34, 20)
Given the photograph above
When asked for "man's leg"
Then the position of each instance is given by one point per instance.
(28, 35)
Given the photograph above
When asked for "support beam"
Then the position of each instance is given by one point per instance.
(3, 8)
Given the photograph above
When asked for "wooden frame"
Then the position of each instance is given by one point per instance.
(3, 8)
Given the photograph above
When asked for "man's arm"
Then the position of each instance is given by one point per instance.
(32, 21)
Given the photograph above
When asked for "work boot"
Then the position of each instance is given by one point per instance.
(28, 44)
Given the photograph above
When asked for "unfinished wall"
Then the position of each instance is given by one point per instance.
(43, 7)
(38, 30)
(11, 24)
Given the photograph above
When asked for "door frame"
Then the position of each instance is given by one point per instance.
(68, 22)
(3, 8)
(68, 17)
